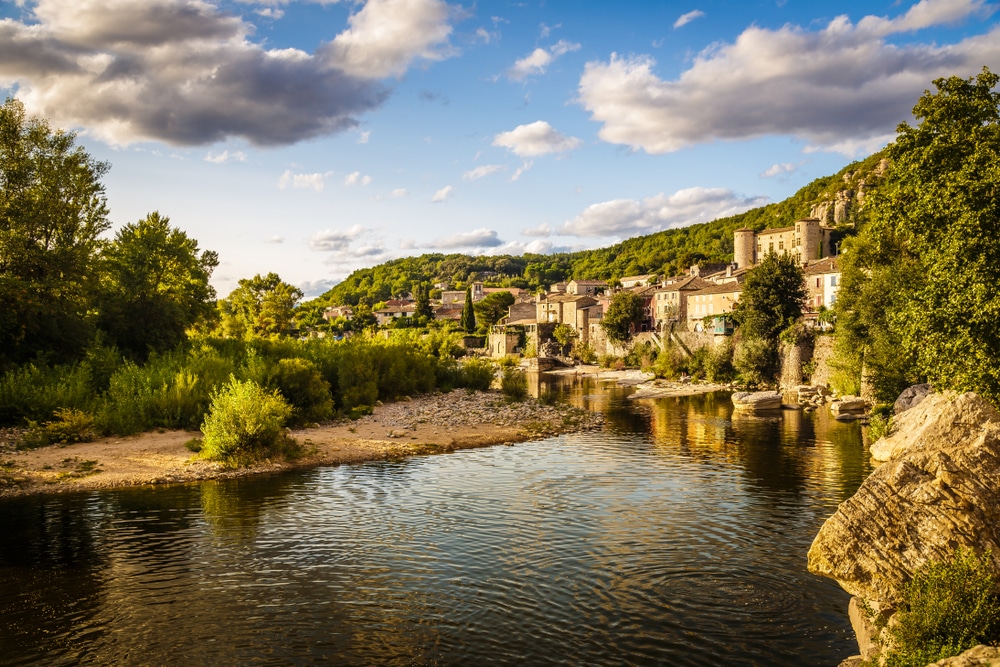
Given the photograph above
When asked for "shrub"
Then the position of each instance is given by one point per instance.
(719, 363)
(304, 388)
(756, 360)
(514, 384)
(245, 423)
(477, 374)
(584, 352)
(947, 608)
(69, 426)
(670, 363)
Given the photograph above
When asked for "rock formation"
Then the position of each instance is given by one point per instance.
(911, 398)
(934, 422)
(980, 656)
(758, 400)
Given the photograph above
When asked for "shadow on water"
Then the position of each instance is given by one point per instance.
(675, 535)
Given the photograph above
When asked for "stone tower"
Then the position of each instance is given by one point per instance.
(744, 247)
(810, 239)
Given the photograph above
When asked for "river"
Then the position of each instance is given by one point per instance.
(677, 535)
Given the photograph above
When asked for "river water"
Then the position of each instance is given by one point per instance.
(677, 535)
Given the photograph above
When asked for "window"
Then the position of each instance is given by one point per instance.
(833, 281)
(818, 281)
(781, 244)
(770, 246)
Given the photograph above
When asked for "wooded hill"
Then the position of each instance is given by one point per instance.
(666, 253)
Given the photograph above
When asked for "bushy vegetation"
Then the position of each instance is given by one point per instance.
(245, 424)
(514, 384)
(948, 607)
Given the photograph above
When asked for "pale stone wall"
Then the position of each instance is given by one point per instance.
(822, 354)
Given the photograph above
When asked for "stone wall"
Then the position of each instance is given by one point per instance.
(821, 357)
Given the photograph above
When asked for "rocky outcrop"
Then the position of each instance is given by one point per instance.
(757, 400)
(911, 398)
(940, 420)
(937, 492)
(980, 656)
(848, 405)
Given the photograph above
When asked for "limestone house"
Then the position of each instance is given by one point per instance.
(453, 313)
(558, 288)
(394, 312)
(670, 300)
(629, 282)
(334, 312)
(808, 239)
(822, 281)
(452, 297)
(713, 300)
(586, 287)
(571, 309)
(646, 294)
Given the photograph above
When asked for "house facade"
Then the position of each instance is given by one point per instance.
(713, 300)
(807, 240)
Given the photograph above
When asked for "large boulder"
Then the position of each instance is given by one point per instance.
(757, 400)
(911, 398)
(940, 494)
(940, 420)
(980, 656)
(848, 405)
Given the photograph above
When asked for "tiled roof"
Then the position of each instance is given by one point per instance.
(825, 265)
(722, 288)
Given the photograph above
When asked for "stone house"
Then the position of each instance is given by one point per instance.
(712, 300)
(629, 282)
(334, 312)
(670, 300)
(808, 239)
(453, 297)
(573, 310)
(586, 287)
(394, 312)
(822, 282)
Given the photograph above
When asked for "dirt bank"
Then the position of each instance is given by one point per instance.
(427, 424)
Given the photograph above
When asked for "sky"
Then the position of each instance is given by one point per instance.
(315, 137)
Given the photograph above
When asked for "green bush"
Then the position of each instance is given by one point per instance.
(880, 421)
(69, 426)
(670, 363)
(477, 374)
(947, 608)
(245, 423)
(756, 360)
(514, 384)
(304, 388)
(719, 363)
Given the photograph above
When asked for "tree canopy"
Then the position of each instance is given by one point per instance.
(492, 307)
(932, 246)
(468, 313)
(52, 211)
(623, 314)
(155, 285)
(772, 298)
(260, 306)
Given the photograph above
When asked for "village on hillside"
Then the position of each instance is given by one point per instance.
(697, 302)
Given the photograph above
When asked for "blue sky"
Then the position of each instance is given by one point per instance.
(314, 137)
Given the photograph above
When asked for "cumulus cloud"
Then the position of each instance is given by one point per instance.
(629, 217)
(399, 193)
(478, 238)
(335, 239)
(525, 166)
(442, 194)
(842, 87)
(482, 171)
(276, 240)
(314, 288)
(536, 61)
(364, 136)
(226, 156)
(315, 181)
(187, 72)
(537, 247)
(355, 178)
(543, 230)
(385, 36)
(779, 170)
(684, 19)
(538, 138)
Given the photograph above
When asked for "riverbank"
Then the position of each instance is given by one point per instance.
(645, 383)
(434, 423)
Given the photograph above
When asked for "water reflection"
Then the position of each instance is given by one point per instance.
(676, 535)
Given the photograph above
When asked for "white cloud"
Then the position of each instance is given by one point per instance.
(189, 72)
(538, 138)
(399, 193)
(478, 238)
(525, 166)
(270, 13)
(335, 239)
(364, 137)
(355, 178)
(226, 156)
(442, 194)
(543, 230)
(276, 240)
(303, 181)
(482, 171)
(684, 19)
(779, 169)
(537, 247)
(385, 36)
(313, 288)
(838, 88)
(627, 217)
(536, 61)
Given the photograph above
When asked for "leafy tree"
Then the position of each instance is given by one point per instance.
(52, 210)
(935, 220)
(422, 296)
(624, 314)
(468, 313)
(493, 307)
(564, 335)
(773, 297)
(155, 286)
(260, 306)
(363, 318)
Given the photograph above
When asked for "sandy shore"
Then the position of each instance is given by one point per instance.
(428, 424)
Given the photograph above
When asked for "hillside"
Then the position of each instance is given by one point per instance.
(838, 199)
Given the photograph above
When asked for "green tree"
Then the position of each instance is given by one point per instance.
(935, 220)
(422, 296)
(772, 299)
(260, 306)
(52, 210)
(564, 335)
(624, 314)
(155, 286)
(468, 313)
(493, 307)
